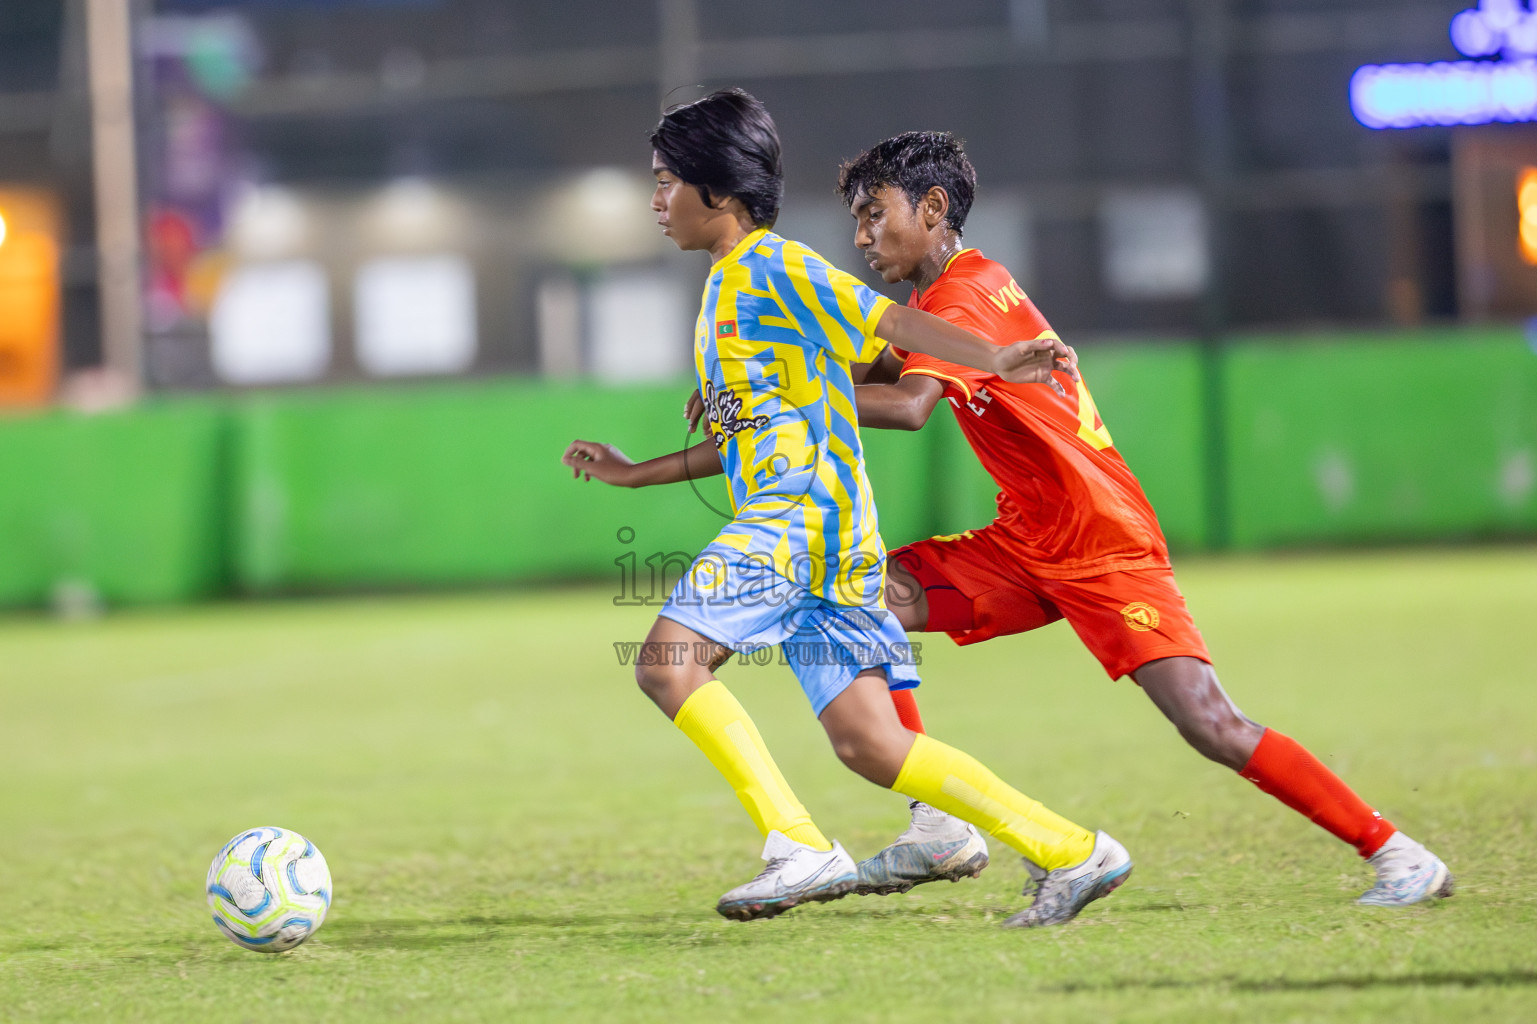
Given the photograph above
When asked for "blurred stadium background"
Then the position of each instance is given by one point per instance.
(309, 294)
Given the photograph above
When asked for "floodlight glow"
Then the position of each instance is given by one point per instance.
(1526, 202)
(268, 222)
(413, 213)
(1464, 91)
(1474, 36)
(1495, 26)
(1445, 93)
(2, 227)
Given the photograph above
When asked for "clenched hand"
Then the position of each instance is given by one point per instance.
(1032, 362)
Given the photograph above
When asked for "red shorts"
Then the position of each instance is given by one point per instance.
(977, 590)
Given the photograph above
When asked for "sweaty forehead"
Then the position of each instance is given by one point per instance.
(884, 194)
(867, 197)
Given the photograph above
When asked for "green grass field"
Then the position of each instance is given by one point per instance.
(515, 833)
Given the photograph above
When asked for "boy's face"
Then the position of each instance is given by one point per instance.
(680, 210)
(891, 232)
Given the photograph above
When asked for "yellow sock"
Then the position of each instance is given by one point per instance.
(959, 784)
(720, 727)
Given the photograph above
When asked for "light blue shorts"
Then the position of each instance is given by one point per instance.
(739, 602)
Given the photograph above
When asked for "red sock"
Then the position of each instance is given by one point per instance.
(1283, 768)
(907, 709)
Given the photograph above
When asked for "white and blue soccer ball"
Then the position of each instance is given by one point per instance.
(269, 889)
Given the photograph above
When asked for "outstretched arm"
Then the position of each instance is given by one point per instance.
(1023, 362)
(590, 460)
(905, 405)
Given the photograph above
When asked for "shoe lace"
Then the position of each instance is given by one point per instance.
(771, 868)
(919, 812)
(924, 819)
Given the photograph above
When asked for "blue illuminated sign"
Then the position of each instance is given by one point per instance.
(1478, 91)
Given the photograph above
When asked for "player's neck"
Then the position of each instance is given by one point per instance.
(732, 231)
(944, 249)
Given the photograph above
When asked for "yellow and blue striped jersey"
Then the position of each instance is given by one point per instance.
(777, 330)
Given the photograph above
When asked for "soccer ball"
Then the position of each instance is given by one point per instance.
(269, 889)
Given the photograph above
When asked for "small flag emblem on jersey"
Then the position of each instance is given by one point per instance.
(726, 329)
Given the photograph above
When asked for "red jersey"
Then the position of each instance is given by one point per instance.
(1067, 498)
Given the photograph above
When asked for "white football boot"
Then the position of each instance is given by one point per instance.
(1061, 894)
(796, 874)
(936, 846)
(1407, 873)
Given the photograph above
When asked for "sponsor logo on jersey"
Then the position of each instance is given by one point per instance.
(1141, 616)
(1010, 295)
(723, 408)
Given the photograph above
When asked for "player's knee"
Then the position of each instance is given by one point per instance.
(646, 679)
(658, 681)
(867, 755)
(853, 754)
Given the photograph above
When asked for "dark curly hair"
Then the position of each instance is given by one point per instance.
(914, 162)
(725, 145)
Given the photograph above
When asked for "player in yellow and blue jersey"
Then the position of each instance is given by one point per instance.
(801, 563)
(786, 430)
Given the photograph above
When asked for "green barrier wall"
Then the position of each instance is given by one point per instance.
(129, 504)
(454, 484)
(1330, 439)
(464, 484)
(1149, 395)
(1376, 439)
(901, 465)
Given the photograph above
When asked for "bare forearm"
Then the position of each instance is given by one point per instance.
(905, 405)
(694, 463)
(917, 331)
(881, 407)
(1018, 362)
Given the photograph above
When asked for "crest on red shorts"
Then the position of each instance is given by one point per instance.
(1141, 616)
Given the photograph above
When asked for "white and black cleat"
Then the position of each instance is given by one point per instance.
(1407, 873)
(1062, 893)
(796, 874)
(935, 847)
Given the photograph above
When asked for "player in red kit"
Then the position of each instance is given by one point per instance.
(1074, 538)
